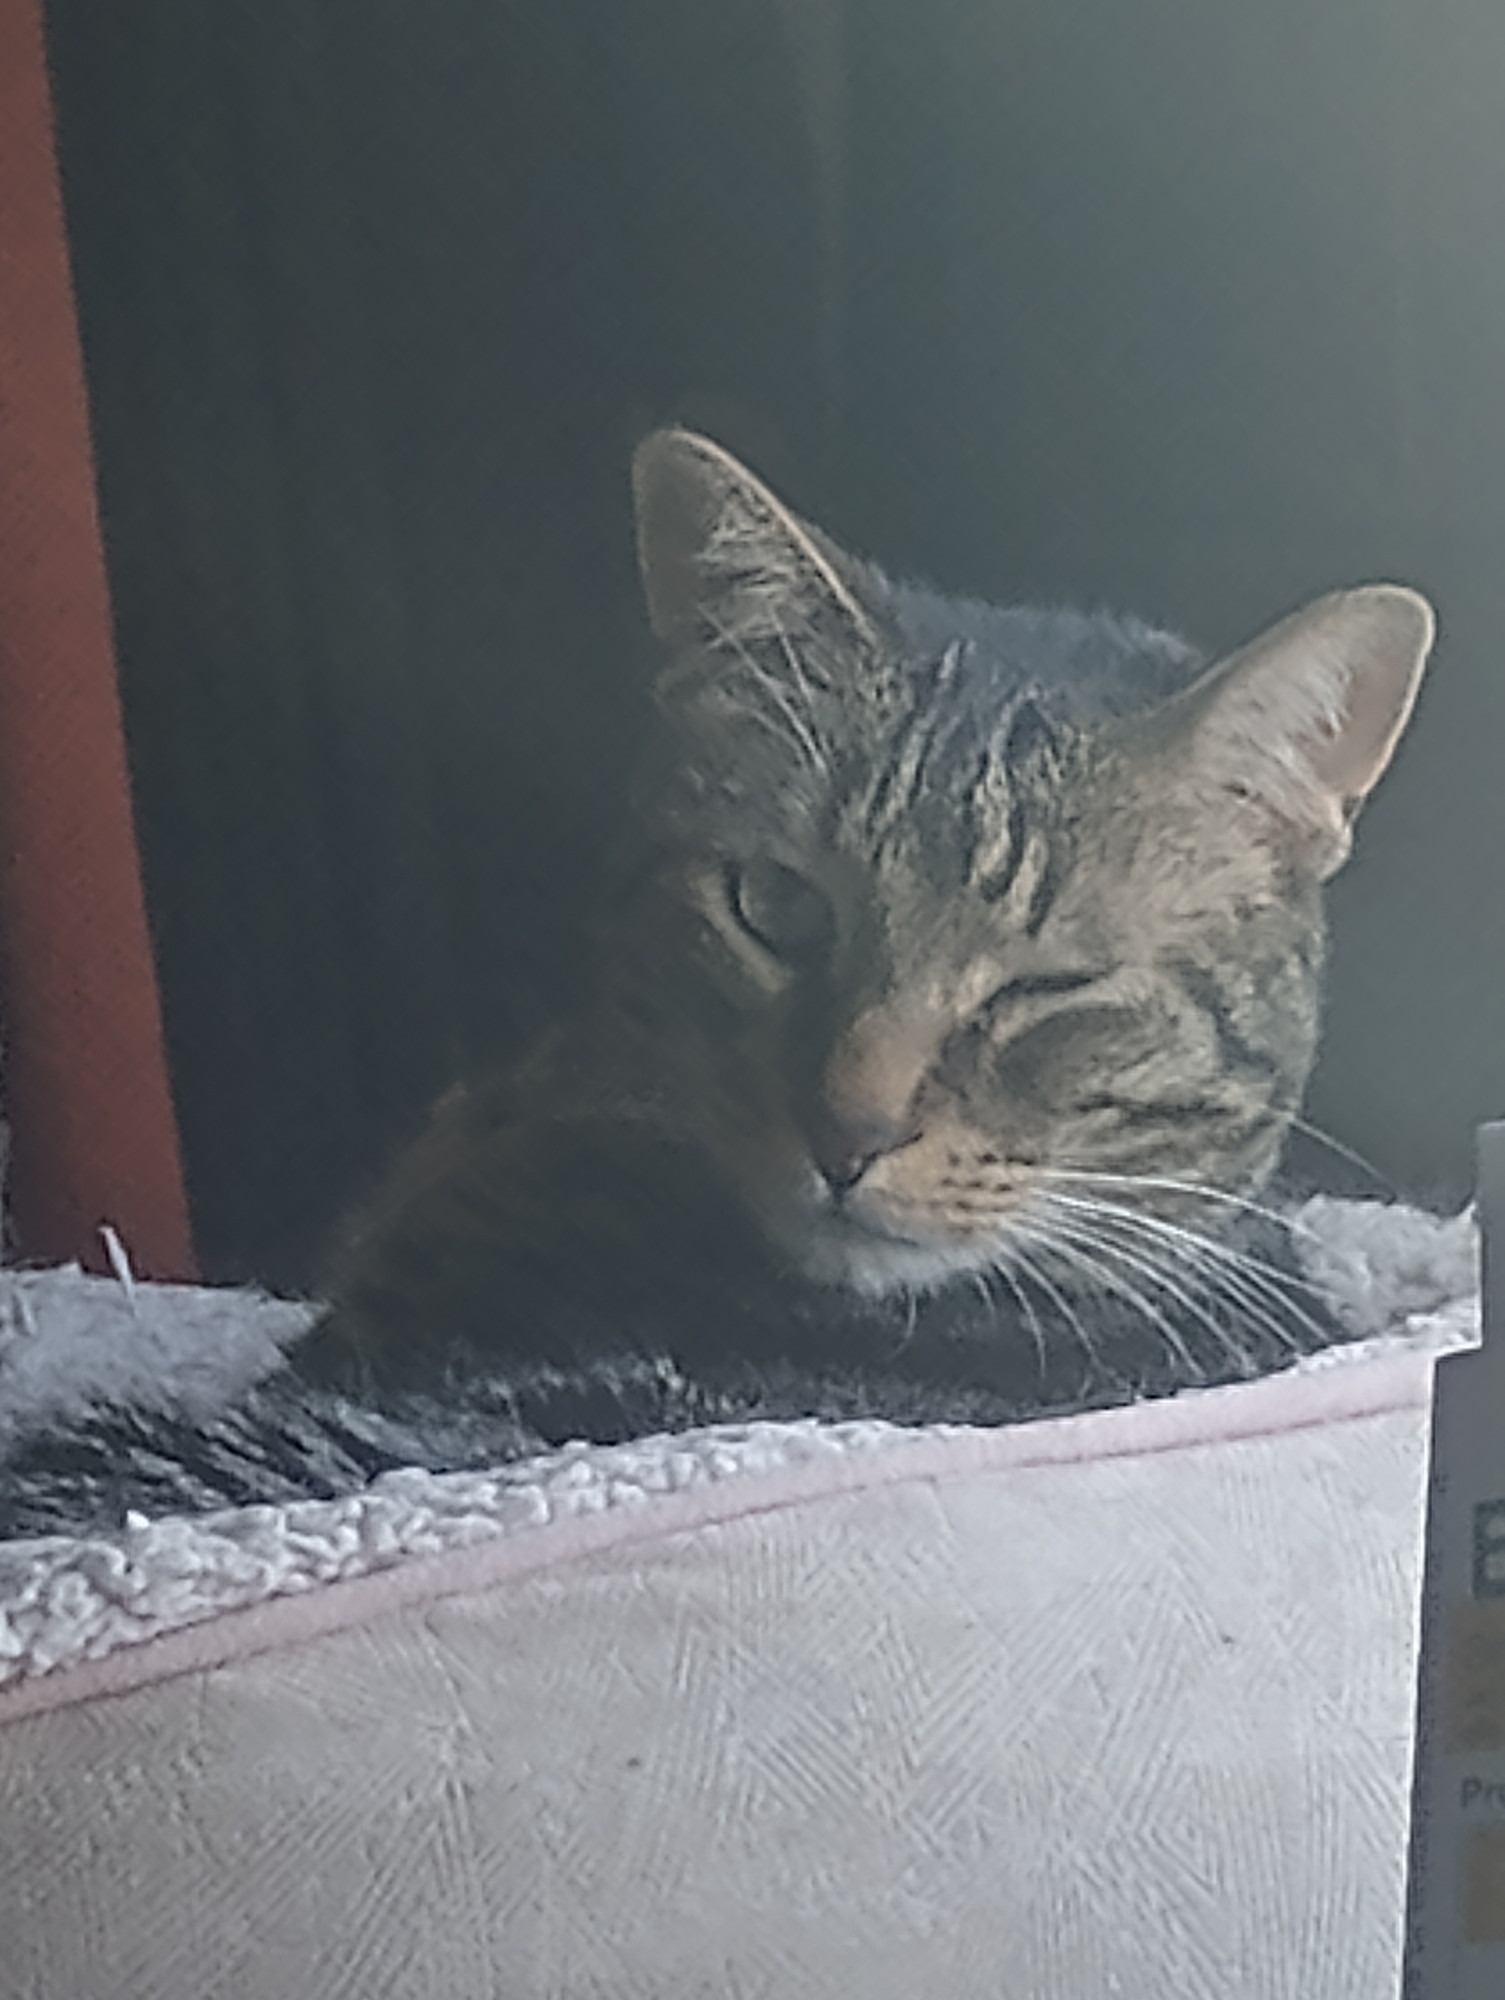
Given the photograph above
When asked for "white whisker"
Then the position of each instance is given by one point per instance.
(1251, 1281)
(1157, 1277)
(1258, 1284)
(1162, 1182)
(1147, 1267)
(1070, 1249)
(1031, 1317)
(1062, 1304)
(1342, 1150)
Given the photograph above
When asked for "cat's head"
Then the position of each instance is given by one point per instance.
(963, 916)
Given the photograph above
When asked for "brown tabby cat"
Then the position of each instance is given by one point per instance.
(970, 949)
(942, 1046)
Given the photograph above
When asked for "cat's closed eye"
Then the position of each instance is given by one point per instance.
(1034, 986)
(1062, 1053)
(1015, 1060)
(781, 910)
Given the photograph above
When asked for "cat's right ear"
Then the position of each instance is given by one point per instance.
(723, 560)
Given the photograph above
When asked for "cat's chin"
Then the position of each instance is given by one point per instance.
(880, 1266)
(833, 1245)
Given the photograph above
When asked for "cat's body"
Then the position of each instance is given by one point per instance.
(942, 1047)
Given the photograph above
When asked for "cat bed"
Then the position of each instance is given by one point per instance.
(1115, 1704)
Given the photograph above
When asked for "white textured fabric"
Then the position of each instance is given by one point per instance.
(1125, 1724)
(1110, 1706)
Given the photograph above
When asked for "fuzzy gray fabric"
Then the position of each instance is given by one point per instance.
(1395, 1275)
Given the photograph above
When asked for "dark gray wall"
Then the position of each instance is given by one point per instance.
(1192, 308)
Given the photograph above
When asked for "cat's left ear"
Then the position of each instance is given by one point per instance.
(1304, 719)
(723, 558)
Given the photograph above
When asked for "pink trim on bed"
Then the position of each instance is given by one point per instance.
(1301, 1399)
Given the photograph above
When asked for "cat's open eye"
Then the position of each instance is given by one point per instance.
(778, 907)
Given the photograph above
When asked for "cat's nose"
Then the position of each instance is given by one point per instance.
(844, 1148)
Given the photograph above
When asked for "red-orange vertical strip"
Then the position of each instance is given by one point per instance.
(83, 1072)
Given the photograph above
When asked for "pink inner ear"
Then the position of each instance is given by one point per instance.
(1308, 715)
(1351, 761)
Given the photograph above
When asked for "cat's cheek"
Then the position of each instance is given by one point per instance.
(943, 1192)
(770, 1166)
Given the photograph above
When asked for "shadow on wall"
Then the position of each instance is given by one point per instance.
(375, 305)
